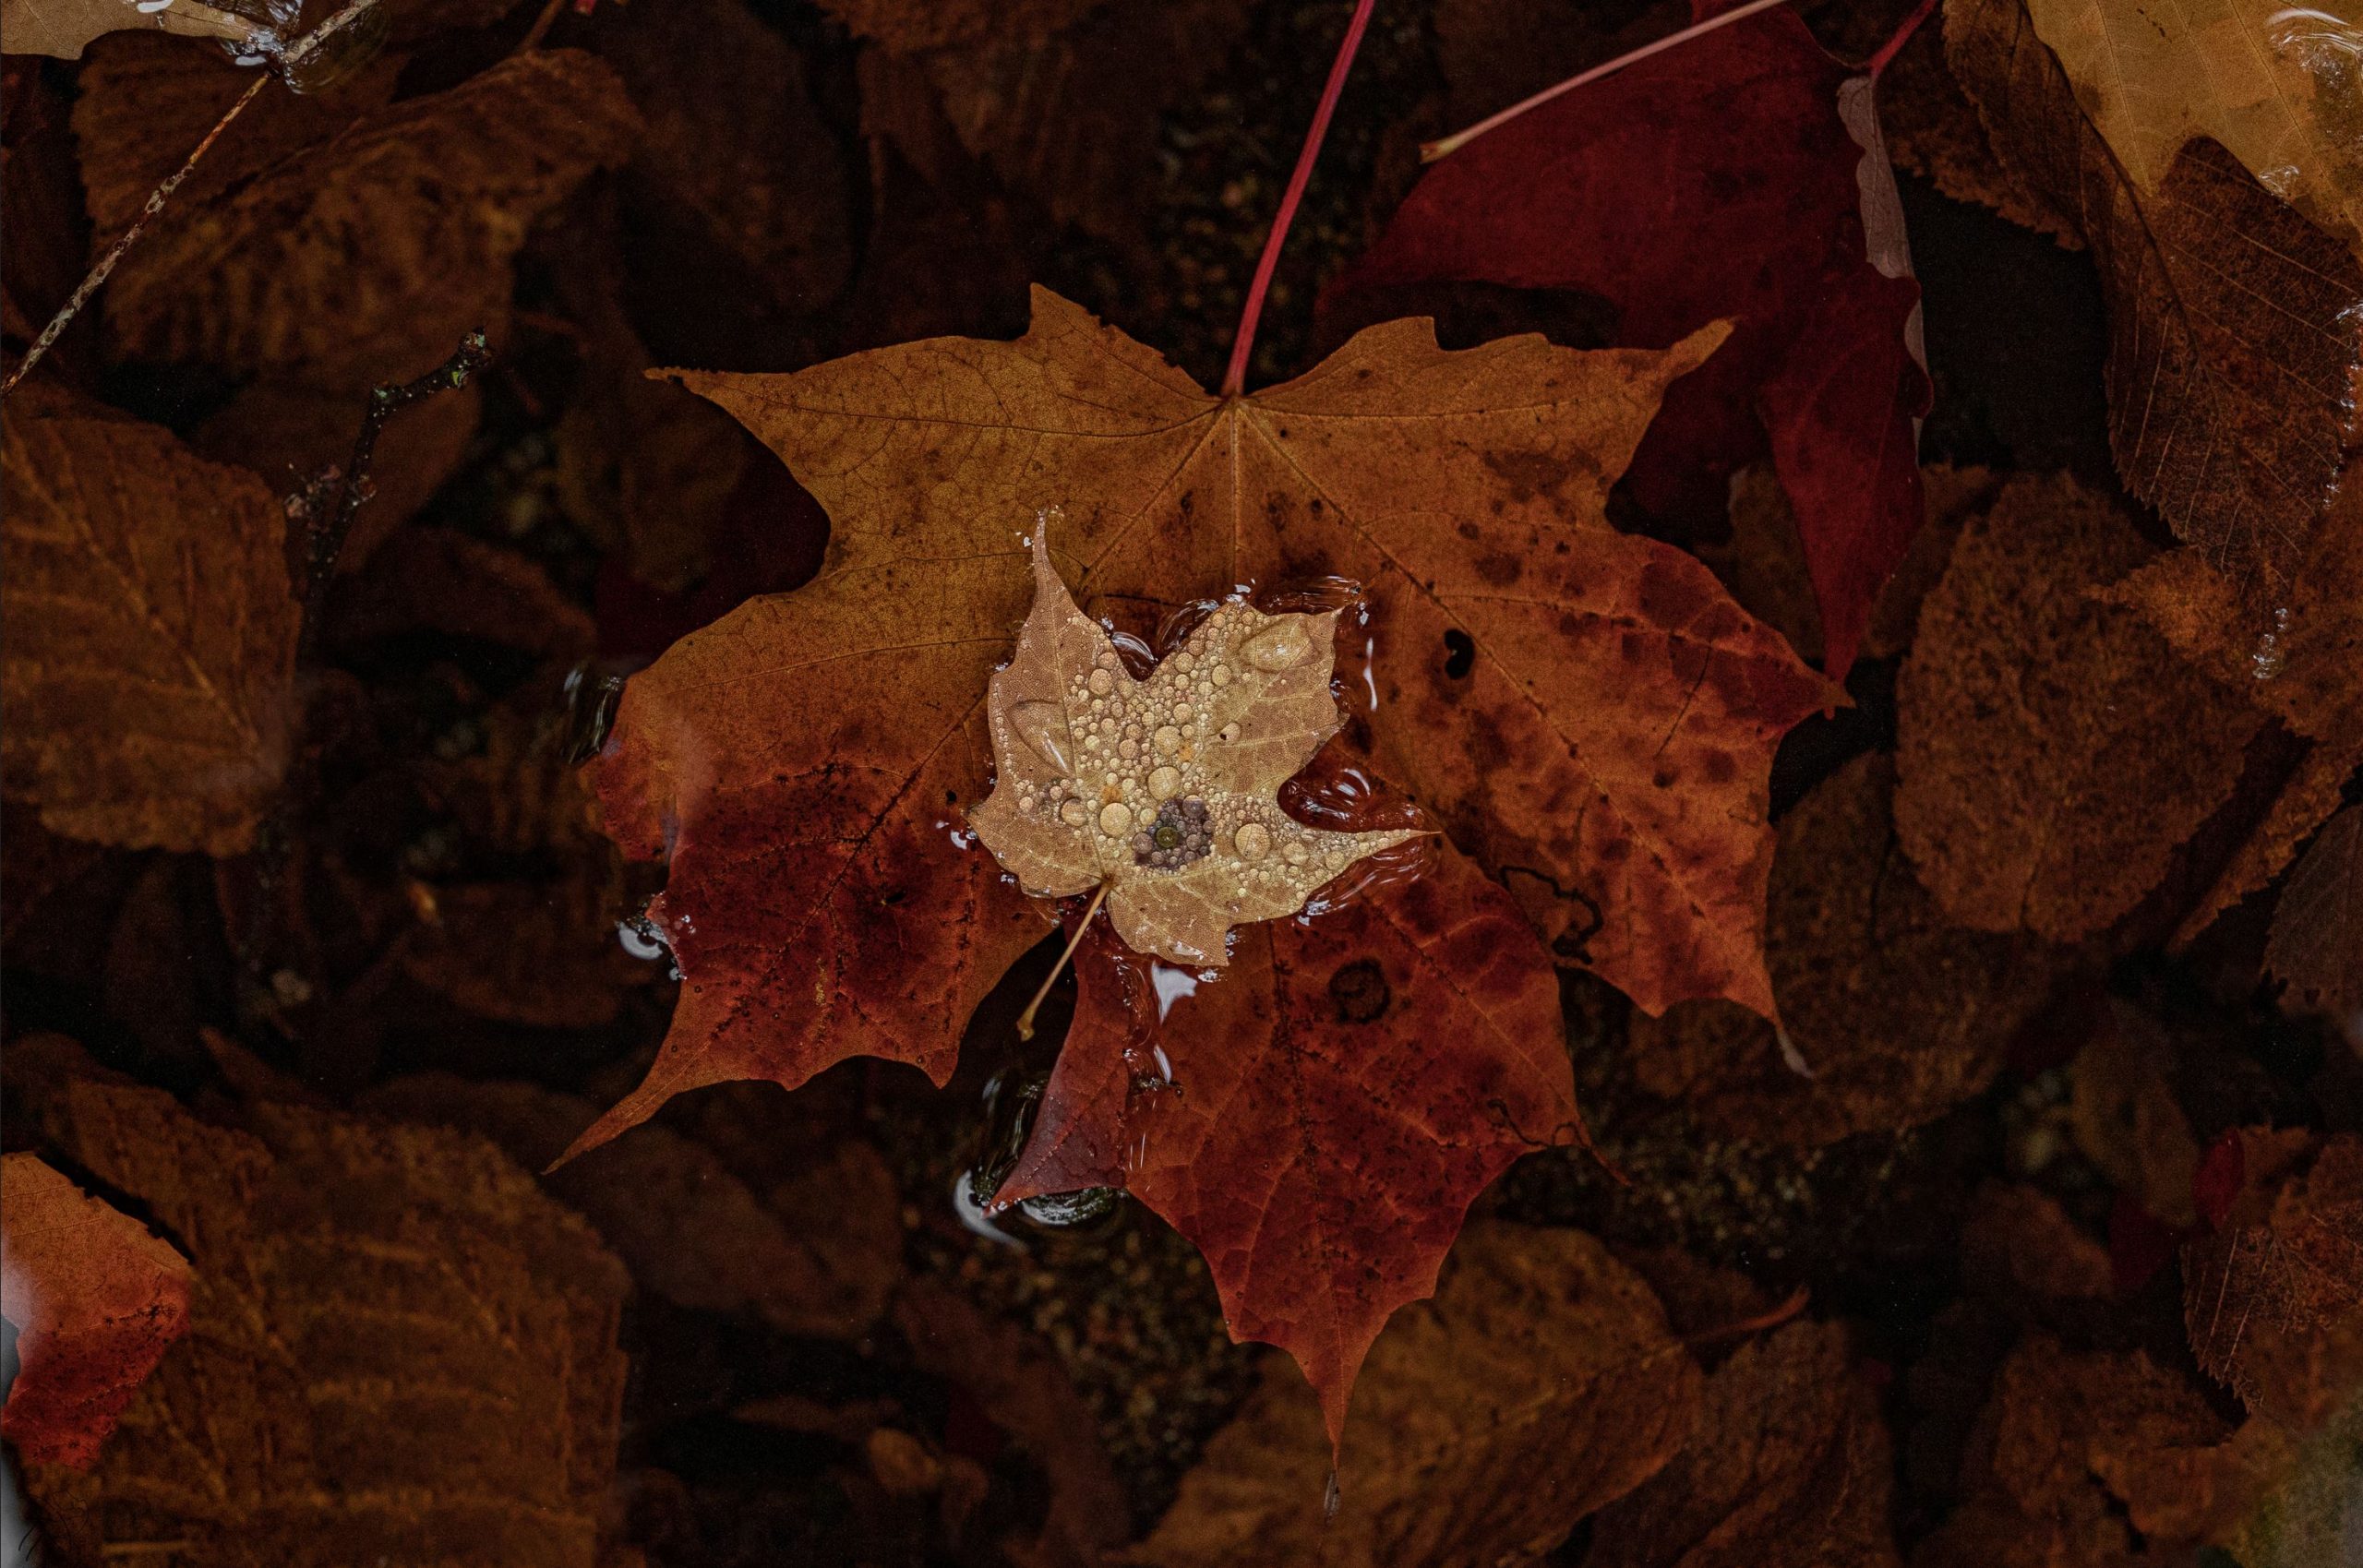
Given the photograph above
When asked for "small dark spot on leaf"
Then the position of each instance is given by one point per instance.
(1459, 653)
(1361, 991)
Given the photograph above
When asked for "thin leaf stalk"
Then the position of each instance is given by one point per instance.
(1234, 379)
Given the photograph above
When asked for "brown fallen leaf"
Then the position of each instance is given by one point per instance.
(2018, 1243)
(151, 660)
(453, 584)
(96, 1300)
(645, 468)
(1930, 126)
(2076, 1451)
(533, 942)
(142, 102)
(907, 25)
(2296, 662)
(2308, 1518)
(440, 191)
(2027, 701)
(2317, 943)
(1496, 640)
(65, 28)
(1014, 1379)
(1164, 791)
(2126, 1118)
(1788, 1465)
(1071, 119)
(2232, 321)
(2265, 80)
(688, 1226)
(1540, 1384)
(1895, 1014)
(2279, 1286)
(398, 1347)
(734, 143)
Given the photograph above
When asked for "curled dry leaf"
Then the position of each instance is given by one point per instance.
(2317, 943)
(1741, 176)
(2026, 706)
(685, 1224)
(1317, 1116)
(2277, 1291)
(398, 1347)
(799, 761)
(1540, 1384)
(1165, 790)
(445, 187)
(1788, 1465)
(2231, 318)
(151, 659)
(96, 1300)
(1896, 1013)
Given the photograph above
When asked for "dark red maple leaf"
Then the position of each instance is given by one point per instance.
(1317, 1116)
(1740, 175)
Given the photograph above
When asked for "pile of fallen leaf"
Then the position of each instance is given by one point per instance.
(1688, 890)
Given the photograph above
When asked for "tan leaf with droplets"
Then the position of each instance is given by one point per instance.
(1166, 790)
(64, 27)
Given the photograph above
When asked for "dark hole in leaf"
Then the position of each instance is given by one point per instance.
(1459, 653)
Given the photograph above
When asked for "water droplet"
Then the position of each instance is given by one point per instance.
(1114, 818)
(1279, 647)
(1043, 729)
(2268, 661)
(1102, 682)
(1074, 814)
(591, 702)
(1169, 739)
(1165, 784)
(1253, 841)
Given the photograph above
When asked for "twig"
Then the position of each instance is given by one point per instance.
(330, 532)
(1234, 379)
(304, 48)
(540, 28)
(1025, 1019)
(1431, 150)
(89, 285)
(1773, 1319)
